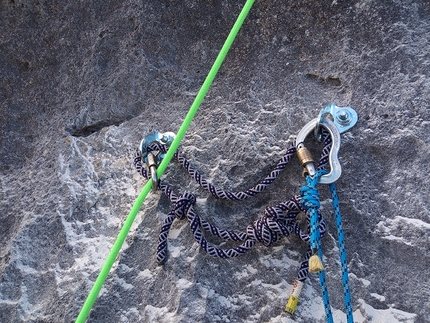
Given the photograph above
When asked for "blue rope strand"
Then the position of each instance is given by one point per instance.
(342, 251)
(311, 202)
(324, 289)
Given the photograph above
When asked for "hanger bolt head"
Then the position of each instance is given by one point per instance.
(343, 117)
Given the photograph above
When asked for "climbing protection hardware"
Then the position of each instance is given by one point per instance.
(279, 220)
(153, 157)
(344, 118)
(305, 156)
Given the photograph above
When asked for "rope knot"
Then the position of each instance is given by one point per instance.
(183, 204)
(269, 228)
(309, 193)
(310, 197)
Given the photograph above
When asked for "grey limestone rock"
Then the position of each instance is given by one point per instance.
(81, 83)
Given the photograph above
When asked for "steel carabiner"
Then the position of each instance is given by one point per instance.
(305, 157)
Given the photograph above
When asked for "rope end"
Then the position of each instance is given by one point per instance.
(315, 264)
(294, 298)
(291, 305)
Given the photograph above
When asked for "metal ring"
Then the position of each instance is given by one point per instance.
(335, 167)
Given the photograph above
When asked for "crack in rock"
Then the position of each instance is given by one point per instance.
(92, 128)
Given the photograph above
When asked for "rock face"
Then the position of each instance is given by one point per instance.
(81, 83)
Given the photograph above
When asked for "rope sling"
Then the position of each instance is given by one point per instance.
(277, 221)
(266, 230)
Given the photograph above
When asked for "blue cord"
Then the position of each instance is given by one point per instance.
(324, 289)
(342, 251)
(310, 202)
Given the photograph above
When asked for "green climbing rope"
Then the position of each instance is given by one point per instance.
(92, 296)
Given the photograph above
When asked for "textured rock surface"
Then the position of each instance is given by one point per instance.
(80, 85)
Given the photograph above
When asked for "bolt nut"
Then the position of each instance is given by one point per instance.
(343, 117)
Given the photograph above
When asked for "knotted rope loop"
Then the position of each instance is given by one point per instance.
(263, 230)
(310, 197)
(183, 205)
(309, 193)
(278, 221)
(311, 203)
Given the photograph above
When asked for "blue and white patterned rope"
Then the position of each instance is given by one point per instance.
(279, 220)
(267, 230)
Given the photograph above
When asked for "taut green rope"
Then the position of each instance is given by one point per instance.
(89, 302)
